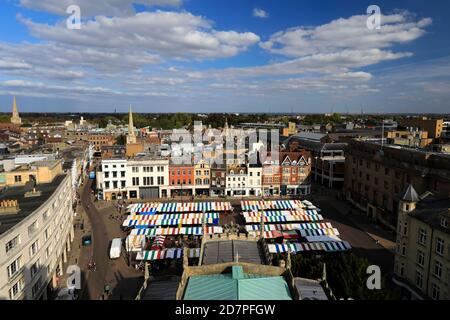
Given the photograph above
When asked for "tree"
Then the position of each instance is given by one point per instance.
(346, 275)
(121, 140)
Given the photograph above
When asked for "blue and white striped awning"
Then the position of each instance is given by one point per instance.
(332, 246)
(292, 226)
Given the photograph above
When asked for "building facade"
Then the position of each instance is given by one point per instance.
(295, 172)
(254, 180)
(36, 233)
(237, 184)
(376, 175)
(147, 178)
(422, 258)
(202, 178)
(181, 179)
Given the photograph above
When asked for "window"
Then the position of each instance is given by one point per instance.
(16, 289)
(435, 291)
(135, 181)
(122, 174)
(134, 169)
(440, 246)
(10, 245)
(32, 228)
(437, 270)
(405, 229)
(46, 234)
(34, 268)
(114, 174)
(420, 258)
(106, 174)
(444, 223)
(36, 287)
(422, 236)
(34, 248)
(14, 267)
(419, 279)
(107, 184)
(17, 179)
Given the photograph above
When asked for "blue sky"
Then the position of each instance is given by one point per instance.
(225, 56)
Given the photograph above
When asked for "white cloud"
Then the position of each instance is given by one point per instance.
(90, 8)
(260, 13)
(11, 64)
(346, 34)
(168, 34)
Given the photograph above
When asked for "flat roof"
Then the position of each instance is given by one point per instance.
(26, 205)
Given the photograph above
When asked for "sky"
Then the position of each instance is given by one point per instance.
(309, 56)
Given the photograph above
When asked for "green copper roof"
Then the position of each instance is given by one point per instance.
(237, 285)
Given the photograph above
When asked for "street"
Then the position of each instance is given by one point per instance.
(124, 281)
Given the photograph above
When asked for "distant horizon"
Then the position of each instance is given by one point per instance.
(225, 113)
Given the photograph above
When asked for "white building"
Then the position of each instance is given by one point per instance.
(141, 177)
(147, 178)
(35, 237)
(236, 183)
(254, 180)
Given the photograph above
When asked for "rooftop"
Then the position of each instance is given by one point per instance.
(430, 210)
(237, 285)
(227, 250)
(310, 289)
(26, 205)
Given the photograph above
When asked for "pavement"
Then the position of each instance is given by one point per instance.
(368, 240)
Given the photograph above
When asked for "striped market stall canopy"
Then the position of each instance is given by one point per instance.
(284, 218)
(319, 232)
(171, 253)
(252, 205)
(302, 226)
(154, 207)
(166, 216)
(152, 232)
(313, 246)
(290, 234)
(281, 213)
(134, 242)
(167, 222)
(323, 238)
(194, 206)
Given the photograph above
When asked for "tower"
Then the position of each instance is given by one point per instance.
(15, 119)
(131, 137)
(409, 199)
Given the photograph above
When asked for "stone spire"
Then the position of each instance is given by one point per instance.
(15, 114)
(131, 138)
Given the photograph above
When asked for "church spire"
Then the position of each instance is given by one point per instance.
(131, 138)
(15, 114)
